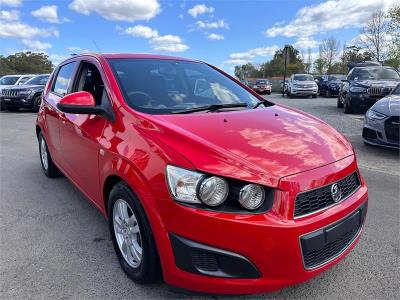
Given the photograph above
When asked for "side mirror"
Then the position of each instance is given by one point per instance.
(79, 103)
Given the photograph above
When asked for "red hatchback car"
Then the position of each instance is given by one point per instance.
(202, 181)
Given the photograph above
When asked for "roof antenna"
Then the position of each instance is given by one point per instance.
(97, 47)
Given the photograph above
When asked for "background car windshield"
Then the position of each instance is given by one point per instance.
(262, 82)
(38, 80)
(303, 78)
(336, 77)
(8, 80)
(375, 74)
(164, 86)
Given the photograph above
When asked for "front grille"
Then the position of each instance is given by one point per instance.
(9, 93)
(311, 201)
(378, 91)
(392, 129)
(322, 246)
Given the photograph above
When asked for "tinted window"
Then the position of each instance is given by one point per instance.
(8, 80)
(262, 82)
(63, 79)
(24, 79)
(89, 80)
(303, 78)
(336, 77)
(163, 86)
(38, 80)
(377, 73)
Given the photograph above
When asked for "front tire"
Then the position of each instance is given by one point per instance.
(48, 166)
(132, 236)
(36, 103)
(347, 106)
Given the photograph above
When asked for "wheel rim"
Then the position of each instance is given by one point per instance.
(127, 233)
(43, 154)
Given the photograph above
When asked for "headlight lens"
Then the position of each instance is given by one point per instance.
(183, 184)
(213, 191)
(27, 92)
(358, 89)
(252, 196)
(371, 114)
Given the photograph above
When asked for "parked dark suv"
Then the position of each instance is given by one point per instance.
(24, 96)
(330, 84)
(366, 85)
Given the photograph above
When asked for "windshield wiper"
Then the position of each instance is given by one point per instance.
(211, 107)
(265, 102)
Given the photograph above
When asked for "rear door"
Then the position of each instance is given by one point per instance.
(60, 86)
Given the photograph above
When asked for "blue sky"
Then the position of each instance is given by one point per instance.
(223, 33)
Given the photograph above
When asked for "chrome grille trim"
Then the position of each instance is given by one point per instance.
(9, 93)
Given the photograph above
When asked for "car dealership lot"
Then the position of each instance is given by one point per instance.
(55, 244)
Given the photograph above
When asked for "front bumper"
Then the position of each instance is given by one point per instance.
(262, 90)
(363, 101)
(334, 90)
(304, 92)
(374, 135)
(270, 241)
(16, 102)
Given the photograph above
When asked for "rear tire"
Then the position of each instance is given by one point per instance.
(48, 166)
(136, 239)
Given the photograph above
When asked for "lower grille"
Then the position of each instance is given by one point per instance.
(378, 91)
(311, 201)
(9, 93)
(325, 244)
(392, 129)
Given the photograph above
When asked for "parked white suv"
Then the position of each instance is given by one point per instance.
(302, 85)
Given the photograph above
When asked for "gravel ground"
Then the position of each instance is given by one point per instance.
(55, 244)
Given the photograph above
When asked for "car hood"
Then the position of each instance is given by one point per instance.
(261, 145)
(377, 83)
(390, 105)
(26, 87)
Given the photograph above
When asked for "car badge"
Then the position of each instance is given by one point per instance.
(336, 192)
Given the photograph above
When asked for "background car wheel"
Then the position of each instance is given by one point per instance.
(132, 235)
(49, 168)
(36, 103)
(314, 96)
(348, 108)
(2, 107)
(339, 103)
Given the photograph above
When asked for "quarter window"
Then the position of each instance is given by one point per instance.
(63, 79)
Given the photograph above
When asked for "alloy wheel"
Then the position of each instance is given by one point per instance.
(127, 233)
(43, 154)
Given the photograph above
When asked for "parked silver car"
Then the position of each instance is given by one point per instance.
(381, 122)
(302, 85)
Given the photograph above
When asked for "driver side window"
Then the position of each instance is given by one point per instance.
(89, 80)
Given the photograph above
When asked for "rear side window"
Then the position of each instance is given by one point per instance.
(63, 79)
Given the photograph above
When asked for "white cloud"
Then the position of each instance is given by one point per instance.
(181, 16)
(200, 9)
(141, 31)
(76, 49)
(241, 58)
(47, 14)
(169, 43)
(57, 59)
(24, 31)
(211, 25)
(215, 36)
(9, 15)
(36, 45)
(118, 10)
(329, 15)
(305, 43)
(13, 3)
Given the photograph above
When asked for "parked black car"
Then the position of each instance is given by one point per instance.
(330, 84)
(366, 85)
(24, 96)
(318, 79)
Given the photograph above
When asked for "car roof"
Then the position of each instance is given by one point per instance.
(132, 56)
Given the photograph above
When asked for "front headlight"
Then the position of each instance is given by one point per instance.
(374, 115)
(213, 191)
(27, 92)
(183, 184)
(357, 89)
(252, 196)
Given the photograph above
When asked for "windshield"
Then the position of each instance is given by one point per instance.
(8, 80)
(262, 82)
(38, 80)
(303, 78)
(336, 77)
(377, 73)
(24, 79)
(165, 86)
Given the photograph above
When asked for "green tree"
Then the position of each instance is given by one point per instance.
(394, 31)
(25, 62)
